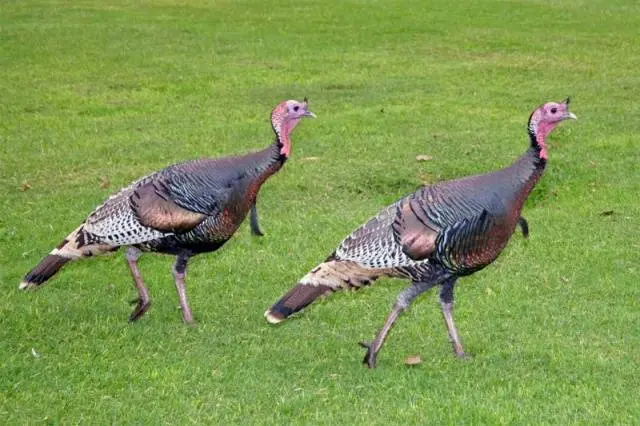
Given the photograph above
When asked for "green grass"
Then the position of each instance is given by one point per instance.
(91, 89)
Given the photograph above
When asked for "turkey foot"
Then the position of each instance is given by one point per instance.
(370, 357)
(141, 307)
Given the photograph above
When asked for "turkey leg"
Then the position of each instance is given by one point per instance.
(404, 300)
(143, 302)
(179, 272)
(524, 225)
(446, 300)
(255, 225)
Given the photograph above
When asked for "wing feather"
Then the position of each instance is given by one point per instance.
(414, 231)
(155, 209)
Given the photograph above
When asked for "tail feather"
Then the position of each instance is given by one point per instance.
(75, 246)
(295, 300)
(325, 278)
(43, 271)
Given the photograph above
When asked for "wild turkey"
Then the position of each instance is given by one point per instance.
(432, 237)
(183, 210)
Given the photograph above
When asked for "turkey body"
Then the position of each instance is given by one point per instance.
(419, 228)
(195, 206)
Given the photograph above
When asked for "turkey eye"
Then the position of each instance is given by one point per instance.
(554, 110)
(296, 108)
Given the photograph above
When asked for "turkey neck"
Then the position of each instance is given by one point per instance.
(530, 166)
(271, 159)
(538, 132)
(524, 173)
(259, 166)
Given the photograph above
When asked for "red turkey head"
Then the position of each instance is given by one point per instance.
(289, 113)
(284, 119)
(544, 119)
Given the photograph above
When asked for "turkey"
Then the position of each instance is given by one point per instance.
(432, 237)
(183, 210)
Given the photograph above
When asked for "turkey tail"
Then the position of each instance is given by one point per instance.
(43, 271)
(78, 244)
(325, 278)
(295, 300)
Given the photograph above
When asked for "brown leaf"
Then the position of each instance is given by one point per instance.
(413, 360)
(25, 186)
(606, 212)
(104, 182)
(423, 157)
(309, 158)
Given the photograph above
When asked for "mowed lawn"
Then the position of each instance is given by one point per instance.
(94, 94)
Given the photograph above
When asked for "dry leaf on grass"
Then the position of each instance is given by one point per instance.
(104, 182)
(25, 186)
(423, 157)
(413, 360)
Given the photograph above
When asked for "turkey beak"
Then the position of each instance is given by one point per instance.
(307, 113)
(570, 115)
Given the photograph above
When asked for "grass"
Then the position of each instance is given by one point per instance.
(92, 92)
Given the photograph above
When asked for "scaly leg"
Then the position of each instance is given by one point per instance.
(179, 272)
(446, 300)
(404, 300)
(374, 347)
(143, 302)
